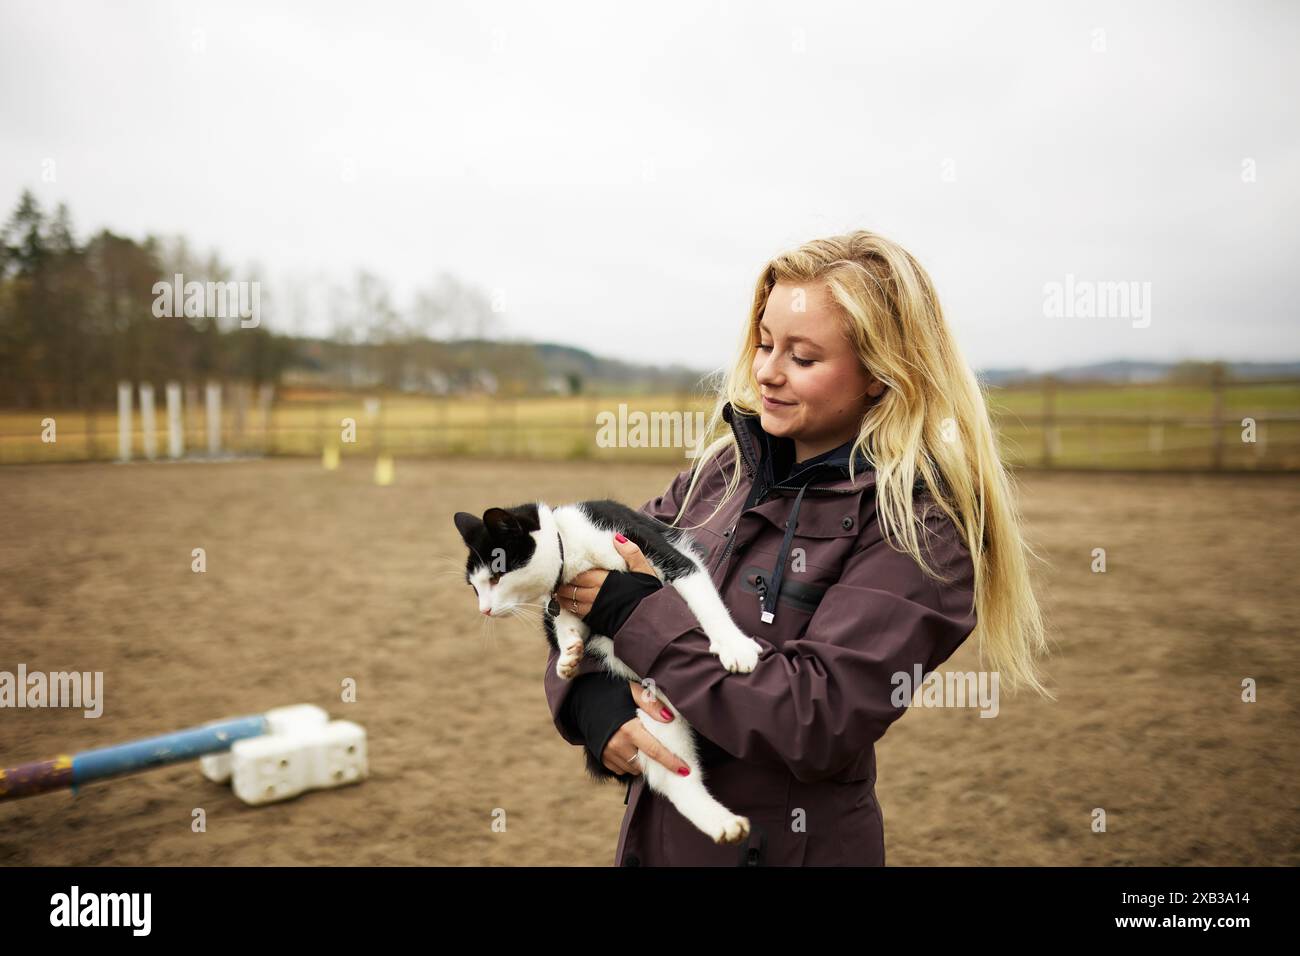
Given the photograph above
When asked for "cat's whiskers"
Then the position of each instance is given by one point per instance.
(524, 610)
(486, 625)
(458, 573)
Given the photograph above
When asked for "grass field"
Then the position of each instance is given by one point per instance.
(1113, 427)
(315, 577)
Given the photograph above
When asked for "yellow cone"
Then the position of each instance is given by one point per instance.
(384, 470)
(330, 458)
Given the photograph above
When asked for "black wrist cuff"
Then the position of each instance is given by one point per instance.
(597, 705)
(617, 598)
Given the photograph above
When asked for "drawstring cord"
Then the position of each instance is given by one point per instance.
(768, 593)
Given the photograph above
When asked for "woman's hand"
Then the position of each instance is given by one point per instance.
(579, 594)
(620, 752)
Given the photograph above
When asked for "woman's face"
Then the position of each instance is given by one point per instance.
(815, 390)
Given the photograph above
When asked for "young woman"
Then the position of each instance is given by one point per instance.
(859, 525)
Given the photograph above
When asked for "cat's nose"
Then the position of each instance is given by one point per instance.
(487, 611)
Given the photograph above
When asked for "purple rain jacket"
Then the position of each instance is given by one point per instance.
(792, 744)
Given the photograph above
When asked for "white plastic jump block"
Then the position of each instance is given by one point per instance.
(280, 766)
(279, 720)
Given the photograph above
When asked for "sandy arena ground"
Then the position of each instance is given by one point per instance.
(315, 577)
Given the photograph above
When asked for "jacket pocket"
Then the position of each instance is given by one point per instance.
(802, 596)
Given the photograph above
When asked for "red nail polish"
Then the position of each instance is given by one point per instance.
(684, 772)
(667, 714)
(620, 539)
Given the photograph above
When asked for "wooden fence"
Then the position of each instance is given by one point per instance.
(1219, 425)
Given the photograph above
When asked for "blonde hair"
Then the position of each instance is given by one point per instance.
(931, 424)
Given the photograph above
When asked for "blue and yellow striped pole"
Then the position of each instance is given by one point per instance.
(42, 776)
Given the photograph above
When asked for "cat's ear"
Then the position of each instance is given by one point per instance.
(501, 523)
(467, 524)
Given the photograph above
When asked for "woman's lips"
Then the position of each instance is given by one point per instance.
(770, 403)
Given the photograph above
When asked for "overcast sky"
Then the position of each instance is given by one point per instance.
(617, 174)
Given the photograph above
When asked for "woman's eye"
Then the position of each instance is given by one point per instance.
(803, 363)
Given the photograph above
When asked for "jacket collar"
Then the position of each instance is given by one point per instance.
(830, 475)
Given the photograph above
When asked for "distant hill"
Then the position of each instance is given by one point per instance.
(518, 367)
(1123, 370)
(601, 374)
(560, 359)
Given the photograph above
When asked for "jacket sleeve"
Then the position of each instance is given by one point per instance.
(557, 689)
(819, 701)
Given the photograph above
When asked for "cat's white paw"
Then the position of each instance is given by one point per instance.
(567, 665)
(739, 655)
(733, 829)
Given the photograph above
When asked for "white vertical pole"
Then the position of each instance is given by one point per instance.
(175, 433)
(214, 418)
(123, 421)
(146, 421)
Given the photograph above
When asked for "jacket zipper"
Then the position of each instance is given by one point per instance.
(743, 439)
(731, 539)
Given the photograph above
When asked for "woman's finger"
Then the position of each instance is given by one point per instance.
(635, 558)
(617, 764)
(651, 747)
(583, 597)
(620, 753)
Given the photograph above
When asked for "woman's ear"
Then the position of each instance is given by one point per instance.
(876, 388)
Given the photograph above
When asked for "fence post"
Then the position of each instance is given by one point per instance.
(123, 421)
(175, 429)
(148, 435)
(214, 418)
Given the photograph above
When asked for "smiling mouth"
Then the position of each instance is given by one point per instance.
(775, 401)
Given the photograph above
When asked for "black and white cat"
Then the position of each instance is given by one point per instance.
(519, 556)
